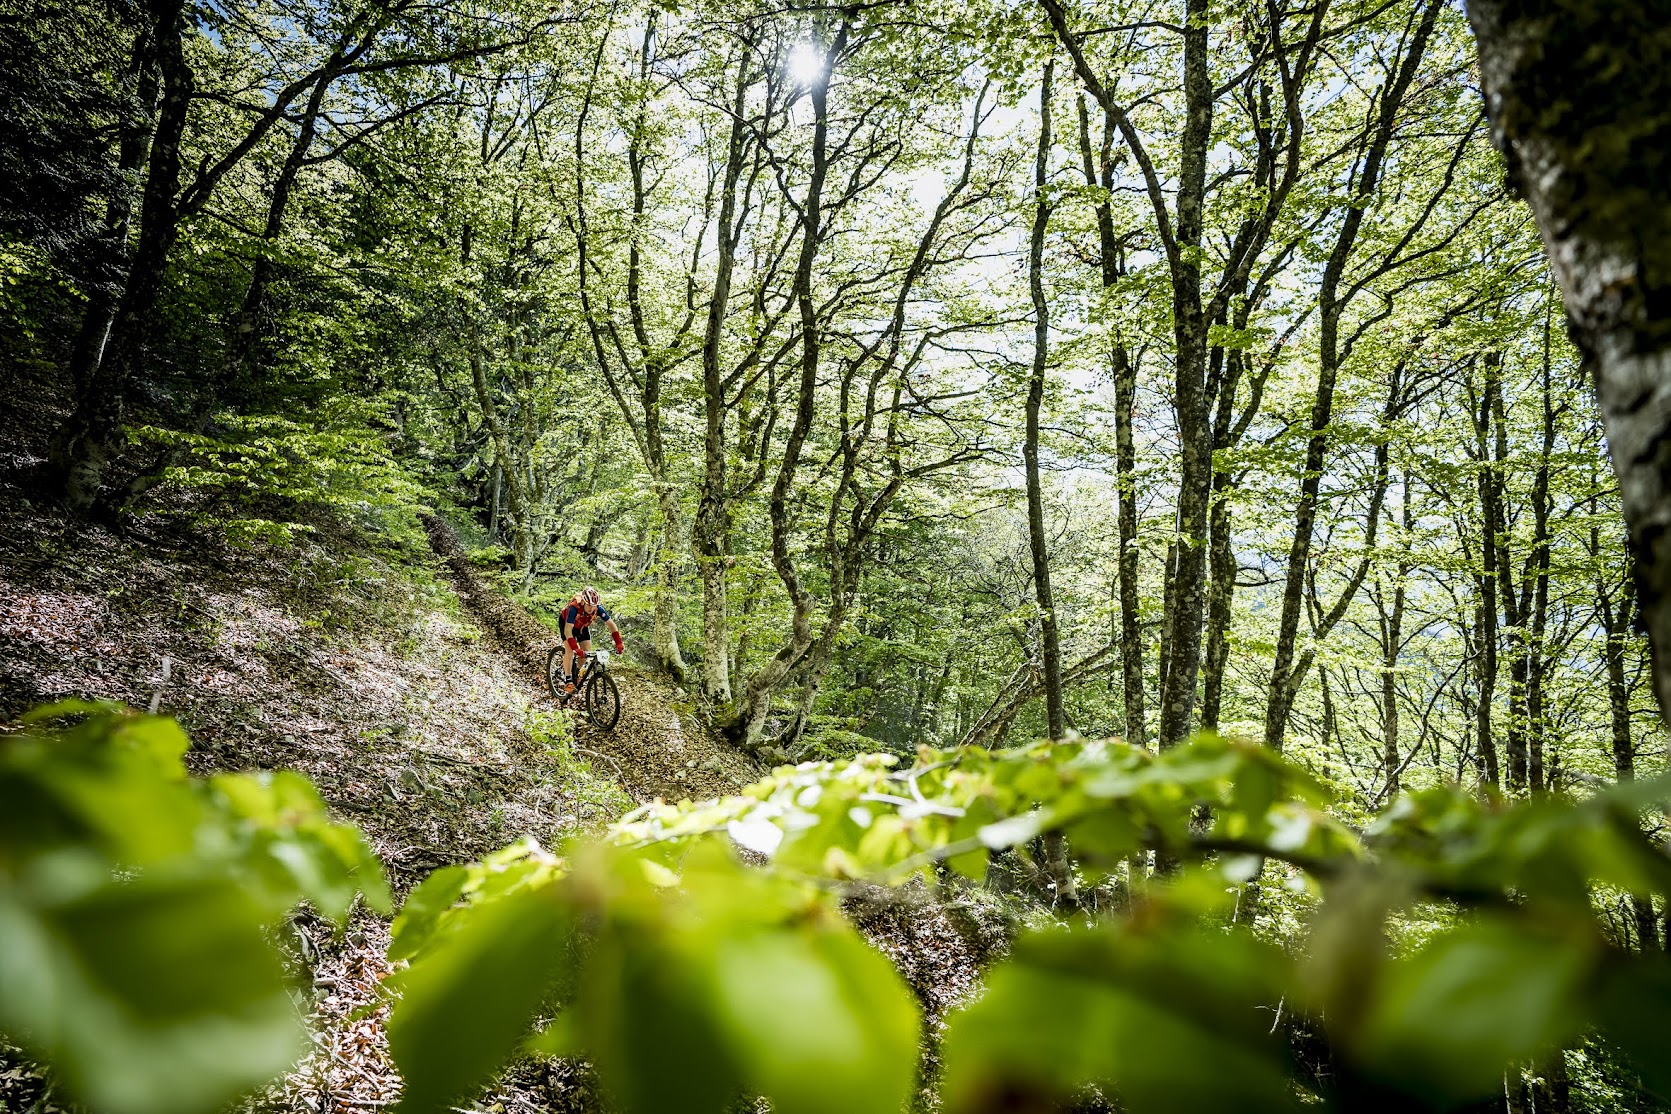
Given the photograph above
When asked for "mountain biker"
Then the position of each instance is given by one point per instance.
(575, 622)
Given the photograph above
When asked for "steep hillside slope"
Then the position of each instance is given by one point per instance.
(655, 750)
(412, 693)
(363, 671)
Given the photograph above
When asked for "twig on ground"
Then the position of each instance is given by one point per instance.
(620, 773)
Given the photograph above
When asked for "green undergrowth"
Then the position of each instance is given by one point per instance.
(599, 799)
(701, 952)
(1450, 943)
(138, 907)
(266, 479)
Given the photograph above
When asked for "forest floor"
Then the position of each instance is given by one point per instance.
(410, 691)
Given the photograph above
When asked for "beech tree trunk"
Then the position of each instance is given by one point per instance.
(711, 529)
(1535, 592)
(1332, 306)
(1221, 557)
(1125, 468)
(1579, 98)
(666, 634)
(1182, 632)
(1496, 582)
(92, 435)
(754, 702)
(246, 322)
(1037, 540)
(1485, 661)
(1392, 645)
(519, 511)
(1515, 602)
(110, 254)
(1055, 843)
(1613, 611)
(1099, 171)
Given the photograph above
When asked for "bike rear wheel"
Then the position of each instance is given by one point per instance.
(603, 701)
(554, 672)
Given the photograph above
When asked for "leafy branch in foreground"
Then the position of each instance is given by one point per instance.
(678, 968)
(136, 906)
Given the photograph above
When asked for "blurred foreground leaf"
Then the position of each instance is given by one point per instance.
(151, 995)
(136, 908)
(693, 987)
(464, 1011)
(1177, 1020)
(1444, 1022)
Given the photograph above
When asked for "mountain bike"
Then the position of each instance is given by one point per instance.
(594, 688)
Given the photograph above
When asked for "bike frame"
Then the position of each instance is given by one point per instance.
(590, 662)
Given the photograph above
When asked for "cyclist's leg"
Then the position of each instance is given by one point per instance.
(568, 655)
(584, 637)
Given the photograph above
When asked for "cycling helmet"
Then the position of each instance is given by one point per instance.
(589, 597)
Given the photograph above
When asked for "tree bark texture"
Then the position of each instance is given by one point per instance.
(757, 695)
(1099, 171)
(1221, 556)
(1535, 592)
(110, 254)
(1392, 645)
(1485, 666)
(1038, 541)
(246, 321)
(1579, 97)
(1131, 619)
(1182, 631)
(710, 532)
(1613, 610)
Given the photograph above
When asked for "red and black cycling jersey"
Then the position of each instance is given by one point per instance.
(577, 622)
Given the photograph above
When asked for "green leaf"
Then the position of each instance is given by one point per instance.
(1169, 1023)
(158, 995)
(804, 1009)
(644, 1016)
(423, 909)
(464, 1007)
(111, 781)
(1106, 835)
(1446, 1022)
(283, 841)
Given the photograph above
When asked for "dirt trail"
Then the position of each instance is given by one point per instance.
(412, 723)
(939, 947)
(656, 750)
(321, 657)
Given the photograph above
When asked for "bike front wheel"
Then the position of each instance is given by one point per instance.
(603, 702)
